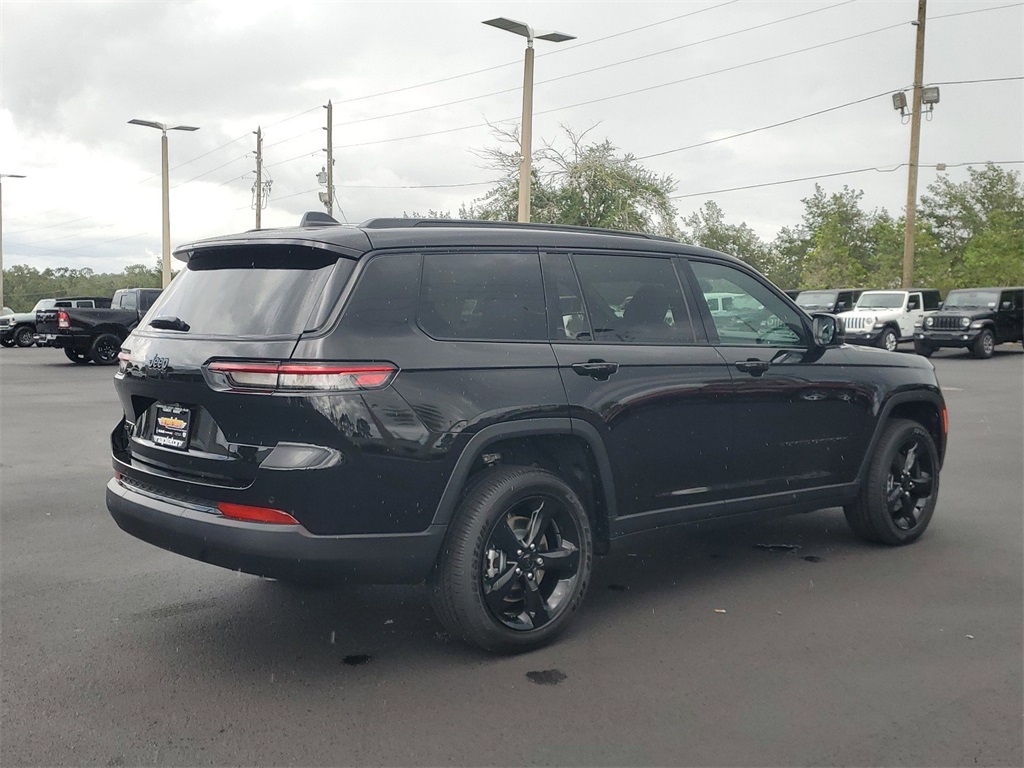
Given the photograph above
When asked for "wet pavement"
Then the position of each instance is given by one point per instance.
(784, 643)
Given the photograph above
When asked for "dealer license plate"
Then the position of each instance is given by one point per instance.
(171, 427)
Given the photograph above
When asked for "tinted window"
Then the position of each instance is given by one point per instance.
(482, 296)
(256, 291)
(634, 299)
(914, 302)
(567, 317)
(932, 300)
(385, 295)
(149, 298)
(755, 314)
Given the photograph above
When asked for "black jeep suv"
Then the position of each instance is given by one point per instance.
(484, 406)
(973, 318)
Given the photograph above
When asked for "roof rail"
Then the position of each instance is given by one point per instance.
(318, 219)
(385, 223)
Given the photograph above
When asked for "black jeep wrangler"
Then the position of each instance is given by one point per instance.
(973, 318)
(485, 406)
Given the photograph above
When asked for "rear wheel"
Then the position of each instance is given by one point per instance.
(7, 342)
(104, 349)
(888, 340)
(516, 561)
(902, 487)
(923, 348)
(984, 345)
(23, 336)
(75, 356)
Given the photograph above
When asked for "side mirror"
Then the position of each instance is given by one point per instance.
(827, 330)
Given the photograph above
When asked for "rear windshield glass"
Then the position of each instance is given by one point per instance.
(267, 291)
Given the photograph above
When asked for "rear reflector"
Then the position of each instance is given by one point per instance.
(299, 377)
(255, 514)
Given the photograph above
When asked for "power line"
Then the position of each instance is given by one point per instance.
(598, 68)
(978, 10)
(563, 49)
(839, 173)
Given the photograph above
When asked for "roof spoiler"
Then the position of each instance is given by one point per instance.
(318, 219)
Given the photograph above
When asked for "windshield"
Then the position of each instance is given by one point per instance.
(257, 291)
(44, 304)
(881, 301)
(816, 299)
(971, 300)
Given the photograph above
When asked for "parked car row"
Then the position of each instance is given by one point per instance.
(85, 327)
(976, 319)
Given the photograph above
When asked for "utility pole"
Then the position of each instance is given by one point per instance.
(915, 149)
(259, 194)
(327, 198)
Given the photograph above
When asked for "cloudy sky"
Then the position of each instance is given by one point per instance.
(415, 85)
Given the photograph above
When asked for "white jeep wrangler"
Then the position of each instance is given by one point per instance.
(885, 318)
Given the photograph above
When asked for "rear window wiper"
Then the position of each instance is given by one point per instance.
(168, 323)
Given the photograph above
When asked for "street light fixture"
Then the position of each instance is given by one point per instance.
(166, 188)
(526, 133)
(2, 177)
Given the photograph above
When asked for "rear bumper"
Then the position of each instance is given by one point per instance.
(278, 551)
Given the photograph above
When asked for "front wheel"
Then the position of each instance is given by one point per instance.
(899, 494)
(888, 340)
(7, 342)
(984, 345)
(23, 336)
(104, 349)
(75, 356)
(923, 348)
(516, 561)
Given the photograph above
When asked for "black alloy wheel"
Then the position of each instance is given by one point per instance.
(23, 336)
(75, 356)
(902, 486)
(105, 348)
(516, 560)
(7, 343)
(531, 563)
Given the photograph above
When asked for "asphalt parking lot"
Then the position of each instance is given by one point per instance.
(837, 653)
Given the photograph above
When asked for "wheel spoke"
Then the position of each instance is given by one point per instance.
(536, 606)
(894, 494)
(540, 517)
(505, 539)
(565, 560)
(923, 485)
(496, 590)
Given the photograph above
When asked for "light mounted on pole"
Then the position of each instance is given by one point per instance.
(526, 133)
(164, 128)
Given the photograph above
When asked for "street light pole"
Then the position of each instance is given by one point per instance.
(915, 149)
(526, 131)
(2, 177)
(165, 186)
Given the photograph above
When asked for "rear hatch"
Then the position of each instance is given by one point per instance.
(233, 309)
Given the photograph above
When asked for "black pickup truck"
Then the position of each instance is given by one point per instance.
(94, 334)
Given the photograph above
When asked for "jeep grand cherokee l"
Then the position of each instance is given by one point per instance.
(484, 406)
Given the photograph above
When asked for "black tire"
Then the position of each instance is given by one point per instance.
(7, 343)
(496, 573)
(889, 340)
(23, 335)
(898, 497)
(104, 349)
(923, 348)
(984, 345)
(75, 356)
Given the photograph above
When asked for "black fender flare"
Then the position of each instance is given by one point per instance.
(928, 397)
(524, 428)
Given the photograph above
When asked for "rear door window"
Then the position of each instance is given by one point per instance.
(252, 291)
(482, 296)
(129, 301)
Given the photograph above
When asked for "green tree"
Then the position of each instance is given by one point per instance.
(978, 225)
(707, 228)
(583, 183)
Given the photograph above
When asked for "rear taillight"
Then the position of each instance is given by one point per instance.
(62, 320)
(256, 514)
(269, 377)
